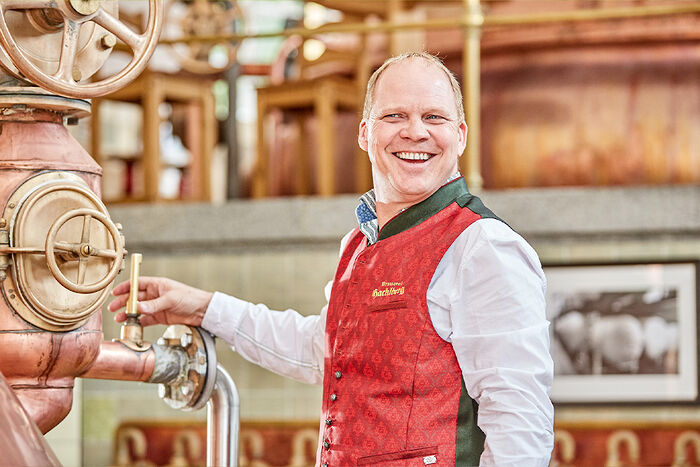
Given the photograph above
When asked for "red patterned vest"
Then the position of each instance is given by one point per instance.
(393, 392)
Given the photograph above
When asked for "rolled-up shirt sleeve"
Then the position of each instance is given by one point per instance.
(500, 336)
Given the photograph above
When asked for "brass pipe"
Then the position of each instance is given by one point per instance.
(131, 333)
(591, 14)
(471, 83)
(117, 362)
(445, 23)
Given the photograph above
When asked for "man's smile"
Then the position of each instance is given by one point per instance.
(413, 156)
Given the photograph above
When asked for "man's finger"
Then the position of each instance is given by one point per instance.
(154, 306)
(117, 303)
(147, 320)
(120, 317)
(121, 288)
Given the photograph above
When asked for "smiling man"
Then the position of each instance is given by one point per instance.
(433, 348)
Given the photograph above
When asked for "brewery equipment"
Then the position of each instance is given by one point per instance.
(59, 248)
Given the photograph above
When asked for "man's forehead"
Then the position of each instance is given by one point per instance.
(394, 91)
(410, 70)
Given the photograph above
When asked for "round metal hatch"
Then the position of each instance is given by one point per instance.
(66, 251)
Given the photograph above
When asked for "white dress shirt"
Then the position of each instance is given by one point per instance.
(486, 298)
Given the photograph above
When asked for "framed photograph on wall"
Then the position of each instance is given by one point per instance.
(624, 332)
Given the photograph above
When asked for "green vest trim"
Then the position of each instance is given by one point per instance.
(455, 191)
(470, 438)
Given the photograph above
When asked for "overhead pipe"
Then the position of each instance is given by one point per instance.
(444, 23)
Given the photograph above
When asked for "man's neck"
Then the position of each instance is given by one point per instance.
(387, 210)
(389, 207)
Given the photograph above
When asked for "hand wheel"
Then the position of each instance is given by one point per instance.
(206, 18)
(84, 250)
(74, 13)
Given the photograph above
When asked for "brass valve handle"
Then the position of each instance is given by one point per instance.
(75, 13)
(132, 306)
(131, 333)
(84, 250)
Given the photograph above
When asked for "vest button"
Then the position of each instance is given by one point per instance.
(329, 422)
(326, 445)
(338, 374)
(333, 397)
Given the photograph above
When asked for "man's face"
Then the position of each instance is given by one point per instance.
(413, 136)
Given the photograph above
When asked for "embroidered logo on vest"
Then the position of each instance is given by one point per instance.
(388, 288)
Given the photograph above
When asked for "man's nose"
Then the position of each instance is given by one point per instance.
(414, 129)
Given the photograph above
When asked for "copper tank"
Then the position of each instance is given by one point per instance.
(39, 365)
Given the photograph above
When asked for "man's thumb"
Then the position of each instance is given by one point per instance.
(149, 307)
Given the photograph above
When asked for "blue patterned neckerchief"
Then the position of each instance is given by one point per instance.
(366, 213)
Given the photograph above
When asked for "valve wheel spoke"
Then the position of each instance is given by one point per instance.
(69, 48)
(121, 30)
(67, 247)
(111, 254)
(85, 237)
(82, 268)
(26, 4)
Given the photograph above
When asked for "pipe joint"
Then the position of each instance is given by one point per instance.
(170, 365)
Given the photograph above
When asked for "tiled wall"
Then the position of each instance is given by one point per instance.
(66, 438)
(287, 278)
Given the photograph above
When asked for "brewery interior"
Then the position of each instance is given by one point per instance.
(214, 142)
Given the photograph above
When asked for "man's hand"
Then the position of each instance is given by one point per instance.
(163, 301)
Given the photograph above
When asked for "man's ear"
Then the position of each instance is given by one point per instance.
(462, 135)
(362, 135)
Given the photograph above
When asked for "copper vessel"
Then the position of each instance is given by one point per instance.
(21, 442)
(40, 365)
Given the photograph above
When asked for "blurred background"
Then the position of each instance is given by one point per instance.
(232, 164)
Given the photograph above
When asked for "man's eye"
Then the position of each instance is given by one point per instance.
(392, 116)
(435, 117)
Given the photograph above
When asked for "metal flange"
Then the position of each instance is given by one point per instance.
(194, 384)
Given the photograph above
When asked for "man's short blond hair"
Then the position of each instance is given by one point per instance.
(431, 59)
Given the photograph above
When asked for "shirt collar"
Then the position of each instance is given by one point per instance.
(366, 212)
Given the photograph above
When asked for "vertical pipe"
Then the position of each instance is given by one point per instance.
(223, 422)
(151, 160)
(233, 183)
(471, 71)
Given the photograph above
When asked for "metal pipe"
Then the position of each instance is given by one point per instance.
(591, 14)
(445, 23)
(471, 83)
(223, 422)
(117, 362)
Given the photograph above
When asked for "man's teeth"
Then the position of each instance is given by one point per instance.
(413, 156)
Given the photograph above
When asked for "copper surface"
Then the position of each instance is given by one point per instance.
(41, 366)
(21, 443)
(30, 147)
(116, 361)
